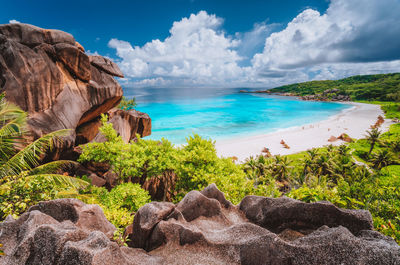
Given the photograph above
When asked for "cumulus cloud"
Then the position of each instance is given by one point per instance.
(351, 37)
(196, 50)
(13, 21)
(349, 32)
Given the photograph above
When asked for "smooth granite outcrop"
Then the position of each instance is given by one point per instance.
(49, 75)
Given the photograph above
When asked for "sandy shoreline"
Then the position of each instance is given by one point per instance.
(353, 121)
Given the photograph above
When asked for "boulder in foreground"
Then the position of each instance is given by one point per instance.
(204, 228)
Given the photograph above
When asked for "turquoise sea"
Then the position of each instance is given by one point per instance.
(224, 113)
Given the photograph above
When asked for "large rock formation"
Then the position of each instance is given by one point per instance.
(49, 75)
(204, 228)
(65, 232)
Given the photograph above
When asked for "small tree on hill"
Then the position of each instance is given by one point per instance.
(373, 138)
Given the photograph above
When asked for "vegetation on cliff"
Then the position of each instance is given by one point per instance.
(349, 175)
(382, 87)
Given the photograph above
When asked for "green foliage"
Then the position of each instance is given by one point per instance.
(198, 166)
(119, 205)
(345, 175)
(373, 137)
(383, 87)
(15, 199)
(127, 104)
(195, 165)
(23, 181)
(128, 196)
(382, 159)
(315, 194)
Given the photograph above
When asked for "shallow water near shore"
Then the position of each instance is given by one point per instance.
(225, 114)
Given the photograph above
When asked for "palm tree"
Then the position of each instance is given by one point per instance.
(250, 164)
(373, 137)
(312, 153)
(19, 159)
(395, 146)
(382, 159)
(341, 166)
(322, 165)
(343, 150)
(281, 167)
(256, 168)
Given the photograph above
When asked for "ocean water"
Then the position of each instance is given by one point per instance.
(222, 114)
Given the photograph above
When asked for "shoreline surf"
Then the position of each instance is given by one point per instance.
(353, 121)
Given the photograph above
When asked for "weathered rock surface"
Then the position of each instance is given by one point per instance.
(48, 74)
(204, 228)
(128, 123)
(65, 232)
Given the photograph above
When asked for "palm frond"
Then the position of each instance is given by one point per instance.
(28, 158)
(12, 127)
(9, 111)
(10, 136)
(61, 180)
(52, 167)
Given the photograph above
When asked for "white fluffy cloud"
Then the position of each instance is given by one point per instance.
(349, 32)
(351, 37)
(196, 51)
(13, 21)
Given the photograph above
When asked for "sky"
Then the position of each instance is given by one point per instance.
(218, 43)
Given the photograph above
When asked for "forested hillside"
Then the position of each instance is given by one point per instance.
(382, 87)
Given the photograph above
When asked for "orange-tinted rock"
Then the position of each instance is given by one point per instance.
(156, 187)
(31, 36)
(332, 139)
(96, 180)
(74, 60)
(106, 65)
(344, 137)
(111, 179)
(47, 74)
(128, 124)
(80, 47)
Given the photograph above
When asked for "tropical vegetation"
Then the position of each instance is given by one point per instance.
(364, 174)
(382, 87)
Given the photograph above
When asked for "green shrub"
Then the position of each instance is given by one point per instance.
(15, 199)
(196, 164)
(127, 196)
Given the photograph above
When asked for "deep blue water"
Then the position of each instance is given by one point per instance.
(224, 113)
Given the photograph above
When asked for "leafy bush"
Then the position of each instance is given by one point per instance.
(119, 205)
(15, 199)
(127, 196)
(196, 164)
(24, 181)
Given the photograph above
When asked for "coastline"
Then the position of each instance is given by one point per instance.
(353, 121)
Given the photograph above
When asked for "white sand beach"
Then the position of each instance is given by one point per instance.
(353, 121)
